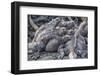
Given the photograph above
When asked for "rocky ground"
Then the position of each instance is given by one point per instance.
(57, 37)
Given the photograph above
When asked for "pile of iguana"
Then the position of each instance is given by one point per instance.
(67, 36)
